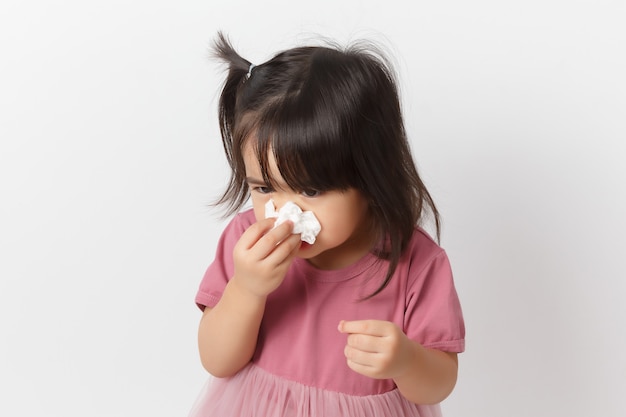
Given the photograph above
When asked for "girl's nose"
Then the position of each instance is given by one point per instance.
(281, 200)
(278, 202)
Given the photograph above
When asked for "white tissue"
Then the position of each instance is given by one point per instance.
(304, 223)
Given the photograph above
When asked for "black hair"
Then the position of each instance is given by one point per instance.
(333, 121)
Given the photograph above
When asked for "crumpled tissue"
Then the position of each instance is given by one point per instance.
(304, 223)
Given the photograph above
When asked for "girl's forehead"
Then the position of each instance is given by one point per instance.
(253, 166)
(251, 159)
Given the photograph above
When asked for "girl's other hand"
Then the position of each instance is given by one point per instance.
(262, 256)
(377, 349)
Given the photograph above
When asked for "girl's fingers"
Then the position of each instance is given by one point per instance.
(360, 357)
(255, 232)
(285, 250)
(365, 343)
(366, 327)
(272, 241)
(371, 336)
(261, 239)
(361, 369)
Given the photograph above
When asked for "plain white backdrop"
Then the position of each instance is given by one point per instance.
(110, 154)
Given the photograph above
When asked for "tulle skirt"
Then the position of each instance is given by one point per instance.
(253, 392)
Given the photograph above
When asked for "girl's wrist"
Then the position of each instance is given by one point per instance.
(245, 294)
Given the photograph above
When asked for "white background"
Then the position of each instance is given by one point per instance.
(110, 154)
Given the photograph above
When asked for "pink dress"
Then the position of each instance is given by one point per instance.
(298, 368)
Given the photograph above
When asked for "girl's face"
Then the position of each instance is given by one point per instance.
(346, 233)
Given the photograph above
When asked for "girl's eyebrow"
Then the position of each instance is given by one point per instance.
(255, 181)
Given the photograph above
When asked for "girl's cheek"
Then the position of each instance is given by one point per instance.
(259, 211)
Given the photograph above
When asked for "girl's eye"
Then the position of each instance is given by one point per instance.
(262, 190)
(311, 193)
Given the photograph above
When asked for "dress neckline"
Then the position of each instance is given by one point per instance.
(311, 272)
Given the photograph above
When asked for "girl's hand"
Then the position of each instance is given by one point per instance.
(377, 349)
(262, 256)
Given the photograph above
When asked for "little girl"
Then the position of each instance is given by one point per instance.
(365, 321)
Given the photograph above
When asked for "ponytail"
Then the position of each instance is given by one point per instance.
(237, 73)
(229, 108)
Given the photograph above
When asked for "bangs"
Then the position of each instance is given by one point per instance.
(317, 118)
(309, 142)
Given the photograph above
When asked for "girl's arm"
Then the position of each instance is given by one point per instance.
(430, 377)
(228, 332)
(379, 349)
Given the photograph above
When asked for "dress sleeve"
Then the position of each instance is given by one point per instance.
(433, 315)
(222, 268)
